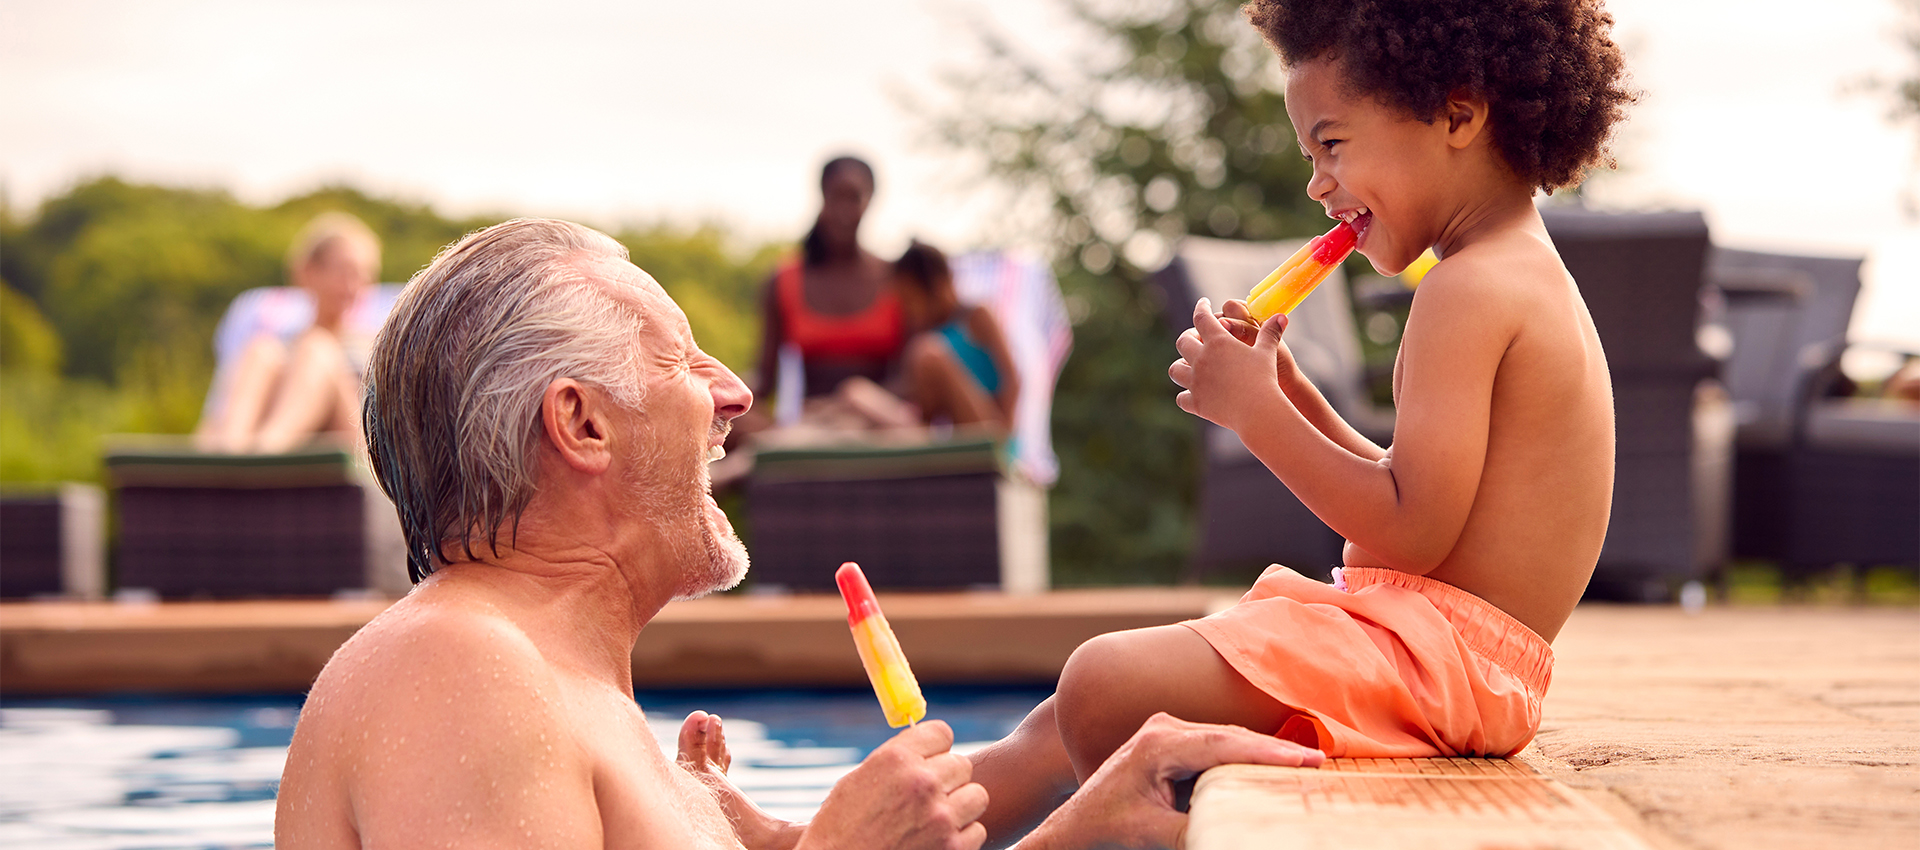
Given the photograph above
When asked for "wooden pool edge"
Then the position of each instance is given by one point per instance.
(49, 648)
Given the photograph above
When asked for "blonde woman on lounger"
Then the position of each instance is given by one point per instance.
(282, 392)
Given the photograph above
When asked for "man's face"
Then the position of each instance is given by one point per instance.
(688, 401)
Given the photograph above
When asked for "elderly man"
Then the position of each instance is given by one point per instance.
(540, 414)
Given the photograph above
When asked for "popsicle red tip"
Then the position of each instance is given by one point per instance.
(858, 594)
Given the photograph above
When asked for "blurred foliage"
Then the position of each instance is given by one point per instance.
(1172, 124)
(27, 342)
(717, 286)
(114, 290)
(1906, 90)
(1764, 583)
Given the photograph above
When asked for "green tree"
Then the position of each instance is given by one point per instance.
(28, 343)
(1172, 124)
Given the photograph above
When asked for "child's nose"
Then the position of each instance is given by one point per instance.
(1320, 186)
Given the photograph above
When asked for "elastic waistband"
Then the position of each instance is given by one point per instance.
(1492, 632)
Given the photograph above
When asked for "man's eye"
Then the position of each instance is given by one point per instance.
(1328, 144)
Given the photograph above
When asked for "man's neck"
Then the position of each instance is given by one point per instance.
(577, 602)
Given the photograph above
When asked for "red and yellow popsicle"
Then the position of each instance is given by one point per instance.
(1289, 284)
(887, 668)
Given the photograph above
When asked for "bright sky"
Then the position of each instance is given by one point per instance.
(613, 111)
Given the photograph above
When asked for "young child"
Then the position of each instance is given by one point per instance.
(1470, 540)
(956, 366)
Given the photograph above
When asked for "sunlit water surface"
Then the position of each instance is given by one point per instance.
(139, 773)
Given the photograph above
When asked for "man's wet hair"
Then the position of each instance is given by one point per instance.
(1553, 79)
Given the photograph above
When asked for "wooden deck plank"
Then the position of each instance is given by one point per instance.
(1358, 804)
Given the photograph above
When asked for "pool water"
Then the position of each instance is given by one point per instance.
(147, 773)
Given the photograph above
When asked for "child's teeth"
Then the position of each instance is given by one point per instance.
(715, 453)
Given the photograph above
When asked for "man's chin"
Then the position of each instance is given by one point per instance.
(727, 564)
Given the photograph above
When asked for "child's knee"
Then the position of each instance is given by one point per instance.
(1096, 676)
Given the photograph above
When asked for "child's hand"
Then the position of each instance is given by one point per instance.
(1226, 380)
(1234, 314)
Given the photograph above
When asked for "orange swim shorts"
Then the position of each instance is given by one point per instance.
(1395, 666)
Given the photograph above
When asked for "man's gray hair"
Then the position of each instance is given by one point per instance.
(458, 372)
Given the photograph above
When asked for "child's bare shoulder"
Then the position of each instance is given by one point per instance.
(1496, 277)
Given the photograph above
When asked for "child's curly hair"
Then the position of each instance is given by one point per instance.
(1552, 76)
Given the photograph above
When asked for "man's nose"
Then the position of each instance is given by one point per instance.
(731, 397)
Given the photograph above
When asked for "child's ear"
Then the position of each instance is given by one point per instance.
(1466, 116)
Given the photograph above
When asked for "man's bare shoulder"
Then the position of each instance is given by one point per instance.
(439, 697)
(430, 681)
(432, 639)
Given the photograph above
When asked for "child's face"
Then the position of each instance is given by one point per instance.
(1372, 165)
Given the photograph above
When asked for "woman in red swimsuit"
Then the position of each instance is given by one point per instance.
(836, 302)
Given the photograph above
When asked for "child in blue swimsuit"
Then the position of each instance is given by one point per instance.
(956, 367)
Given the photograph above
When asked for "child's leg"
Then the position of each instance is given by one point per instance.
(1027, 775)
(1110, 686)
(1114, 682)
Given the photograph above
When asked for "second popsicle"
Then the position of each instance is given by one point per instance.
(880, 653)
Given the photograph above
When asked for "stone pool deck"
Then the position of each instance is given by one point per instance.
(1786, 727)
(1737, 728)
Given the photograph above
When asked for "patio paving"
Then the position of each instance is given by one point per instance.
(1738, 727)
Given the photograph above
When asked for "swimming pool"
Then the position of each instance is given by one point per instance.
(160, 773)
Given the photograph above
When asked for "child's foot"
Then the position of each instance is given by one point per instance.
(703, 752)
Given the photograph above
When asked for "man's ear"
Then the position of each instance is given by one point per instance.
(575, 419)
(1466, 115)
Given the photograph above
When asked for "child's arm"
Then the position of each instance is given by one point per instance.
(1306, 397)
(986, 329)
(1408, 506)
